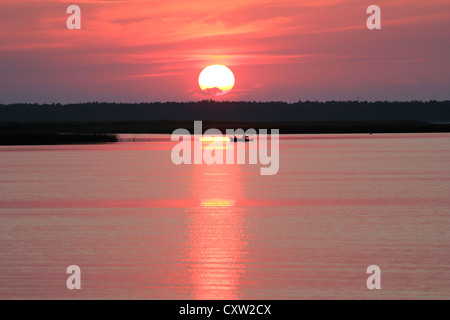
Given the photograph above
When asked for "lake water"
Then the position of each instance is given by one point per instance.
(141, 227)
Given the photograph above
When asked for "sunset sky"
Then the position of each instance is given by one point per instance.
(289, 50)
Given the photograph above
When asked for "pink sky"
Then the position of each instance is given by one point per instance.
(289, 50)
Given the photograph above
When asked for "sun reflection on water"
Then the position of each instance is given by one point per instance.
(217, 203)
(216, 247)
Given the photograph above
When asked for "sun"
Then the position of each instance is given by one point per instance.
(216, 77)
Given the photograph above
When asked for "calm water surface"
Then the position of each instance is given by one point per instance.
(141, 227)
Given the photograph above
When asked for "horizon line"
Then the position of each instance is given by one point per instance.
(225, 101)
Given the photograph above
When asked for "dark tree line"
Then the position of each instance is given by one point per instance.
(251, 111)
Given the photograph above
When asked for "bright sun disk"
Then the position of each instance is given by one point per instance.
(216, 76)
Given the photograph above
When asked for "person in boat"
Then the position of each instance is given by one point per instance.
(244, 138)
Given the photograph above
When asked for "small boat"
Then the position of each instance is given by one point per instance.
(243, 139)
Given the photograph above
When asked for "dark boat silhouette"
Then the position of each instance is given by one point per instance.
(243, 139)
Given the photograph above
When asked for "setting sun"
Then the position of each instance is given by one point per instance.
(216, 77)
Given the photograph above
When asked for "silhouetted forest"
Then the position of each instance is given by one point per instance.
(429, 111)
(99, 122)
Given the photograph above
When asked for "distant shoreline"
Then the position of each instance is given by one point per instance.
(101, 122)
(16, 139)
(232, 111)
(48, 133)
